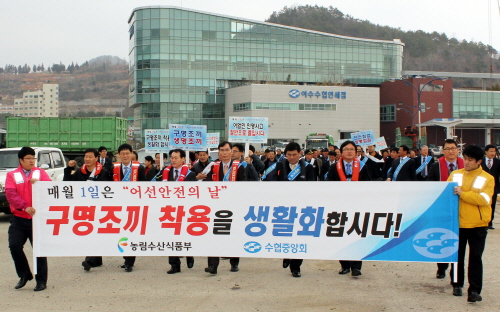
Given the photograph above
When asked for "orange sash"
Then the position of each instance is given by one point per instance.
(355, 170)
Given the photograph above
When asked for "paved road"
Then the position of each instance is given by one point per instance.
(261, 285)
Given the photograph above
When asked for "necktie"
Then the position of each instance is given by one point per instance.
(348, 169)
(176, 175)
(489, 163)
(425, 168)
(126, 171)
(452, 167)
(102, 161)
(293, 166)
(226, 168)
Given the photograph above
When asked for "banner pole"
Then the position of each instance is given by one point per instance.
(247, 149)
(455, 272)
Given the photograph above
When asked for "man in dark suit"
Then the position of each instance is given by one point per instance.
(225, 169)
(294, 169)
(311, 160)
(394, 154)
(423, 158)
(153, 172)
(126, 170)
(349, 168)
(332, 159)
(103, 159)
(440, 171)
(92, 170)
(178, 171)
(375, 167)
(491, 164)
(403, 168)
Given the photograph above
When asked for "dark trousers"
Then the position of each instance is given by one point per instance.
(94, 261)
(348, 265)
(493, 204)
(295, 264)
(176, 261)
(476, 239)
(215, 261)
(443, 266)
(20, 230)
(129, 260)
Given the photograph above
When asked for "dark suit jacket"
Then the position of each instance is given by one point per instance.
(407, 172)
(418, 163)
(375, 167)
(364, 174)
(387, 166)
(494, 171)
(241, 176)
(316, 168)
(283, 169)
(151, 173)
(141, 176)
(190, 177)
(325, 168)
(79, 176)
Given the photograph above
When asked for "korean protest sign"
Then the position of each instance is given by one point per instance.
(363, 138)
(188, 137)
(399, 221)
(213, 139)
(380, 144)
(247, 129)
(156, 140)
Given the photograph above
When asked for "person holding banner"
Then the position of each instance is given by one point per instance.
(92, 170)
(178, 171)
(153, 173)
(403, 169)
(201, 165)
(475, 189)
(237, 154)
(225, 169)
(423, 163)
(491, 164)
(126, 170)
(18, 190)
(349, 169)
(375, 167)
(292, 168)
(440, 171)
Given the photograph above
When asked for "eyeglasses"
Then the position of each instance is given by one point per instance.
(29, 158)
(449, 149)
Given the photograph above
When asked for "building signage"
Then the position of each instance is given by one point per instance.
(294, 93)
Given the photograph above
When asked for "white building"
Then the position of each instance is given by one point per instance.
(40, 103)
(295, 111)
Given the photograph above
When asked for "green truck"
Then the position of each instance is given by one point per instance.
(71, 135)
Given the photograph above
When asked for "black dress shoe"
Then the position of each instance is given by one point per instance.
(473, 297)
(344, 271)
(440, 274)
(457, 291)
(234, 268)
(211, 269)
(491, 227)
(22, 282)
(86, 266)
(40, 287)
(174, 269)
(128, 268)
(190, 263)
(355, 272)
(296, 274)
(286, 263)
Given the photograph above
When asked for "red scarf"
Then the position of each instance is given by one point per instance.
(443, 167)
(134, 175)
(182, 176)
(232, 175)
(98, 169)
(355, 170)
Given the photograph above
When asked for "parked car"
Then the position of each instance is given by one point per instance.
(49, 159)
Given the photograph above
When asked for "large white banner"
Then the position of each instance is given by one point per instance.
(392, 221)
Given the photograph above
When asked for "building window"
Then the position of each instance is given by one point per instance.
(241, 107)
(388, 113)
(440, 107)
(208, 34)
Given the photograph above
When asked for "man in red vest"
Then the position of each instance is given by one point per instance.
(132, 171)
(440, 171)
(225, 169)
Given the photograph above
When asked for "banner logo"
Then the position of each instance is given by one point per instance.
(294, 93)
(122, 242)
(252, 247)
(436, 243)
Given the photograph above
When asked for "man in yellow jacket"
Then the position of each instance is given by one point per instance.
(475, 189)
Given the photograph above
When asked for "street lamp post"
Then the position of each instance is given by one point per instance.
(419, 91)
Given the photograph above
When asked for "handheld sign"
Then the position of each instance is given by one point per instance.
(363, 138)
(188, 137)
(213, 139)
